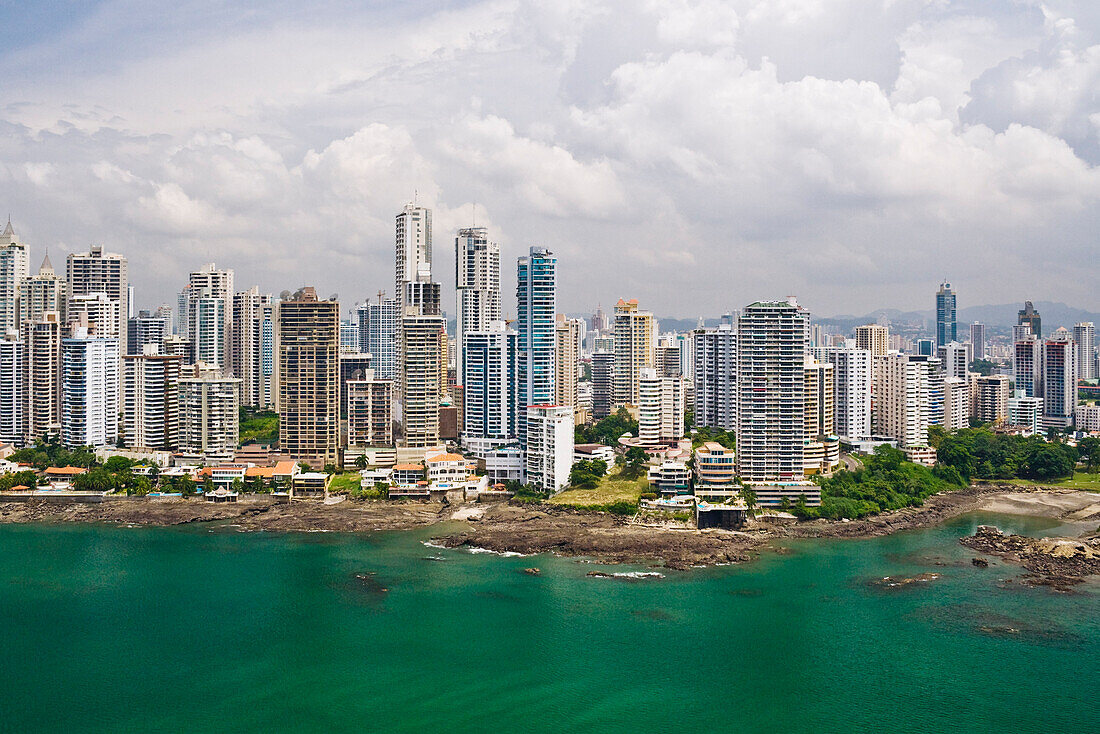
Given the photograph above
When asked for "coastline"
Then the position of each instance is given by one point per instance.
(543, 528)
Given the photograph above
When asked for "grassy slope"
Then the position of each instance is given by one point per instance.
(613, 488)
(1081, 480)
(341, 483)
(260, 427)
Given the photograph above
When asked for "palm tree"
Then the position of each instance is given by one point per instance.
(750, 499)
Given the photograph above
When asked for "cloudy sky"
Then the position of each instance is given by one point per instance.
(694, 155)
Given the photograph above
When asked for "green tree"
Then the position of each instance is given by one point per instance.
(1089, 450)
(186, 486)
(361, 461)
(749, 498)
(634, 462)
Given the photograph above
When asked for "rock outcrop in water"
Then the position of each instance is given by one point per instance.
(1060, 563)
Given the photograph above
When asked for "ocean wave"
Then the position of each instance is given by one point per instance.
(502, 554)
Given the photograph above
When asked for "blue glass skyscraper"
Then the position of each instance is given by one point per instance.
(946, 324)
(536, 296)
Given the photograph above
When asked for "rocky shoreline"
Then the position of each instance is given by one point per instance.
(1060, 563)
(544, 528)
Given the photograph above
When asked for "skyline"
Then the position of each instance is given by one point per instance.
(852, 164)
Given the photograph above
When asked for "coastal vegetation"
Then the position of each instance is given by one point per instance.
(258, 426)
(617, 492)
(978, 453)
(704, 435)
(608, 430)
(47, 453)
(886, 482)
(587, 474)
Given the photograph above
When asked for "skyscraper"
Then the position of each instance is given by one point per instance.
(873, 338)
(853, 376)
(901, 403)
(660, 408)
(603, 383)
(13, 269)
(150, 400)
(414, 246)
(716, 377)
(977, 339)
(378, 325)
(210, 314)
(634, 343)
(953, 360)
(946, 324)
(549, 446)
(771, 406)
(489, 393)
(42, 383)
(537, 303)
(97, 271)
(567, 336)
(12, 394)
(89, 389)
(1059, 380)
(252, 352)
(209, 417)
(308, 339)
(45, 291)
(420, 378)
(1084, 335)
(477, 280)
(1027, 366)
(145, 329)
(1029, 316)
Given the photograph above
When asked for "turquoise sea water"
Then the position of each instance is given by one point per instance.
(207, 629)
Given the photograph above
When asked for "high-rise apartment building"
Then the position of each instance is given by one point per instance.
(954, 360)
(13, 397)
(477, 280)
(89, 390)
(567, 337)
(603, 384)
(549, 446)
(771, 405)
(490, 394)
(956, 404)
(209, 418)
(634, 349)
(993, 393)
(252, 352)
(715, 376)
(41, 293)
(42, 382)
(873, 338)
(1027, 366)
(95, 311)
(97, 271)
(977, 339)
(946, 322)
(1030, 317)
(1059, 380)
(1084, 336)
(208, 323)
(150, 400)
(853, 377)
(378, 325)
(421, 380)
(820, 382)
(660, 408)
(536, 295)
(14, 266)
(414, 247)
(145, 329)
(308, 348)
(370, 411)
(902, 399)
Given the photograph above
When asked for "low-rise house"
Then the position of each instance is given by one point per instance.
(225, 474)
(64, 473)
(310, 482)
(405, 474)
(284, 473)
(592, 451)
(669, 478)
(448, 469)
